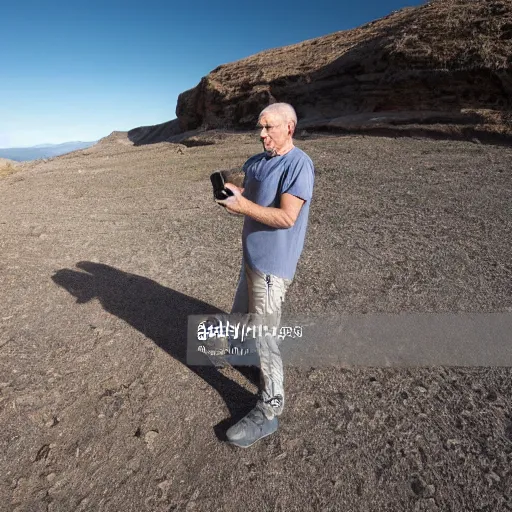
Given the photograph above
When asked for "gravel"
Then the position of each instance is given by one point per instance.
(106, 251)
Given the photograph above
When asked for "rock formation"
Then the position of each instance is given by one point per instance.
(446, 63)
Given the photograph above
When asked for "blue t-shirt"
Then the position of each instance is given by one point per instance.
(270, 250)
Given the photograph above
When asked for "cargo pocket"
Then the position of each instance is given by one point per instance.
(276, 290)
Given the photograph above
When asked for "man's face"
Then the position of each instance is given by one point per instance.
(275, 133)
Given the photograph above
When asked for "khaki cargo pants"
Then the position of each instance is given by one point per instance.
(262, 295)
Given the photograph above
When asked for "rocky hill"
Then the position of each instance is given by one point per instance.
(445, 66)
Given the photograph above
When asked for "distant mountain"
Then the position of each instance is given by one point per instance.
(42, 151)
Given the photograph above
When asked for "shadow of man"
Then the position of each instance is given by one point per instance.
(159, 313)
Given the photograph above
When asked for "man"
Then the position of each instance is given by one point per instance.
(278, 187)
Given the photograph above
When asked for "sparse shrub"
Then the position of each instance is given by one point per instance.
(6, 169)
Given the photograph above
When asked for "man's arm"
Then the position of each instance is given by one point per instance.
(283, 217)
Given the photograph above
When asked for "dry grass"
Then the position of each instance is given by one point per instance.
(458, 35)
(8, 169)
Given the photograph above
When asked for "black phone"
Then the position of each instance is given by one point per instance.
(220, 192)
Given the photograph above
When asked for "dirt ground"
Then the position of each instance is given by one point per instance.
(106, 251)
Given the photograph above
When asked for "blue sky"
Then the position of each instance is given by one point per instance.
(78, 71)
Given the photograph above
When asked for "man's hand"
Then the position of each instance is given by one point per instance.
(234, 203)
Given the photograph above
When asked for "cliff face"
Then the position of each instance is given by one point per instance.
(448, 61)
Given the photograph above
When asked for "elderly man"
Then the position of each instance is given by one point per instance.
(275, 197)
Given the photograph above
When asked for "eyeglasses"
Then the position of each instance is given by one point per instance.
(268, 127)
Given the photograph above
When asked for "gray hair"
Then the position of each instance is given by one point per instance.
(283, 110)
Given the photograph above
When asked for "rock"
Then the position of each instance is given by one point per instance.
(150, 439)
(153, 134)
(43, 452)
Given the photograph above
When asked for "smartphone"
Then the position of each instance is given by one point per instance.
(220, 192)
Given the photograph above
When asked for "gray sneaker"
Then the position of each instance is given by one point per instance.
(251, 428)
